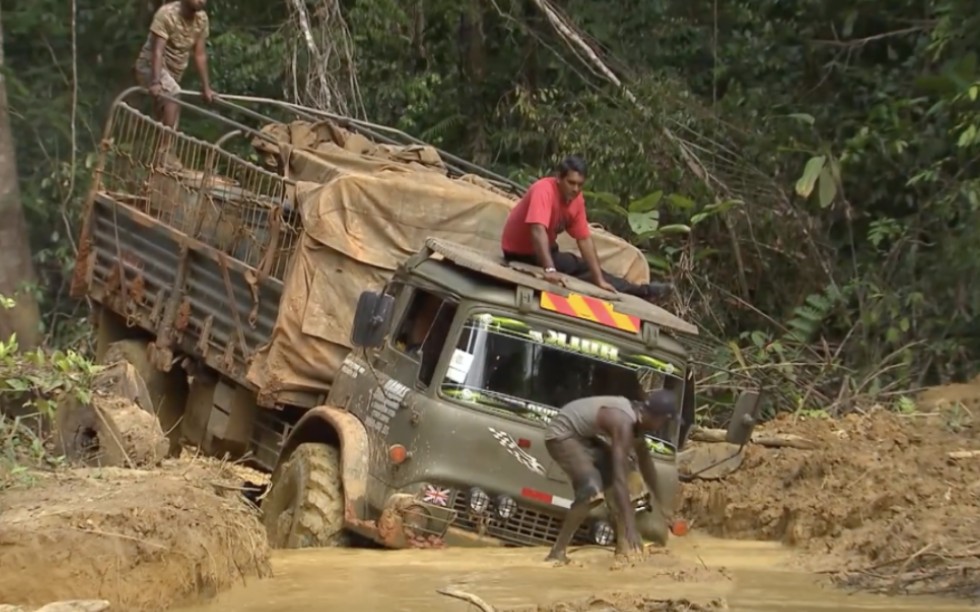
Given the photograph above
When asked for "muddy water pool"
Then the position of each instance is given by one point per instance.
(750, 576)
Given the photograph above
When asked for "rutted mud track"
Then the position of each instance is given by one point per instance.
(885, 502)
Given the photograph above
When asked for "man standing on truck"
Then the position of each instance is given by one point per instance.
(597, 468)
(178, 28)
(551, 206)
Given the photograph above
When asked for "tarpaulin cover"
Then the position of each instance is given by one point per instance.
(365, 208)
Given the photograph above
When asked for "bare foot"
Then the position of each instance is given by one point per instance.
(559, 559)
(623, 560)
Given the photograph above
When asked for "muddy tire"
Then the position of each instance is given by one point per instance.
(167, 390)
(305, 504)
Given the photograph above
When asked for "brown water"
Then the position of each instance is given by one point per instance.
(750, 576)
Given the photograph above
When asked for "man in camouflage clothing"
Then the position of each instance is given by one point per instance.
(178, 28)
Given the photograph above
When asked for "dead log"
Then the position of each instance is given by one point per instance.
(702, 434)
(111, 428)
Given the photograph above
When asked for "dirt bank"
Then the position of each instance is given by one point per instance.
(882, 495)
(141, 540)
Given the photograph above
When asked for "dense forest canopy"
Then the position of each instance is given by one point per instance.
(806, 172)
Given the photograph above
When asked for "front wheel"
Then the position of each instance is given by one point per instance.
(305, 504)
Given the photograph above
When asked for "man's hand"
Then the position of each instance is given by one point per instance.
(602, 283)
(155, 90)
(634, 543)
(208, 95)
(554, 277)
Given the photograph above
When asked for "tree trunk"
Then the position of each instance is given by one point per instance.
(16, 269)
(474, 73)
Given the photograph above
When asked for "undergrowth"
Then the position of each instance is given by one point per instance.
(31, 384)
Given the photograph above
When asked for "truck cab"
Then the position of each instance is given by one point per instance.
(460, 361)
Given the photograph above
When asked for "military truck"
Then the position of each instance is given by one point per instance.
(323, 299)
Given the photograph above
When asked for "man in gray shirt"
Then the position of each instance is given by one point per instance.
(591, 439)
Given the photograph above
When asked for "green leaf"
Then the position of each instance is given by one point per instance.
(804, 117)
(968, 136)
(805, 184)
(645, 222)
(675, 228)
(681, 201)
(828, 188)
(608, 202)
(646, 203)
(658, 262)
(698, 218)
(17, 384)
(848, 28)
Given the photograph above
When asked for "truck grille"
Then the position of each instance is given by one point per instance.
(526, 527)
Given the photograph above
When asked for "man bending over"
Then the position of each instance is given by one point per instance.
(598, 469)
(551, 206)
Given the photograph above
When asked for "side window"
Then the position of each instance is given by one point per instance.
(423, 330)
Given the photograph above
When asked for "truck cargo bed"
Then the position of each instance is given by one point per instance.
(177, 287)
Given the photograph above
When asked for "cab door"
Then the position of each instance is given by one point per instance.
(393, 376)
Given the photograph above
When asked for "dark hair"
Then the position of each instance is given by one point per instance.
(660, 403)
(573, 163)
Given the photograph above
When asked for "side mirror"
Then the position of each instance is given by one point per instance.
(371, 319)
(745, 416)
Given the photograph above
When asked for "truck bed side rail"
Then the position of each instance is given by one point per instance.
(194, 253)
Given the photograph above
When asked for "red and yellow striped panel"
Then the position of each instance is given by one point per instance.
(591, 309)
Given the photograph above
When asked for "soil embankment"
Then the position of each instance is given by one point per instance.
(891, 502)
(142, 540)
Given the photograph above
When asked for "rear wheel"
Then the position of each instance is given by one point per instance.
(305, 504)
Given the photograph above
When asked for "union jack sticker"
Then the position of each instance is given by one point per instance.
(437, 496)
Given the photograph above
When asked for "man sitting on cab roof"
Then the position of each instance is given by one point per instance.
(553, 205)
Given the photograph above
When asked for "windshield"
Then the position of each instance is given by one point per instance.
(506, 364)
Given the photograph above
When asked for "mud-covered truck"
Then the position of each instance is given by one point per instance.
(323, 299)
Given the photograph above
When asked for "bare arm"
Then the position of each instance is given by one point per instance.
(587, 247)
(539, 236)
(620, 430)
(156, 59)
(201, 61)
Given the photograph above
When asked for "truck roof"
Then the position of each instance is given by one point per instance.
(516, 274)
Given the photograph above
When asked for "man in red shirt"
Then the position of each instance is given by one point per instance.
(553, 205)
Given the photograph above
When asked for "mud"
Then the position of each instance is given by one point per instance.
(142, 540)
(880, 504)
(880, 498)
(696, 573)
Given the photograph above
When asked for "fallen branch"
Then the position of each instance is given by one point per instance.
(701, 434)
(467, 597)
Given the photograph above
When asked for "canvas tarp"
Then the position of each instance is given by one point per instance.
(363, 213)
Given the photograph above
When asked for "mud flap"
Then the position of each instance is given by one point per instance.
(654, 510)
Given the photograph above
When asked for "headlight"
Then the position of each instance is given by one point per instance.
(479, 501)
(603, 534)
(506, 507)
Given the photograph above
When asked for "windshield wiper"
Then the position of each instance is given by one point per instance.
(503, 401)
